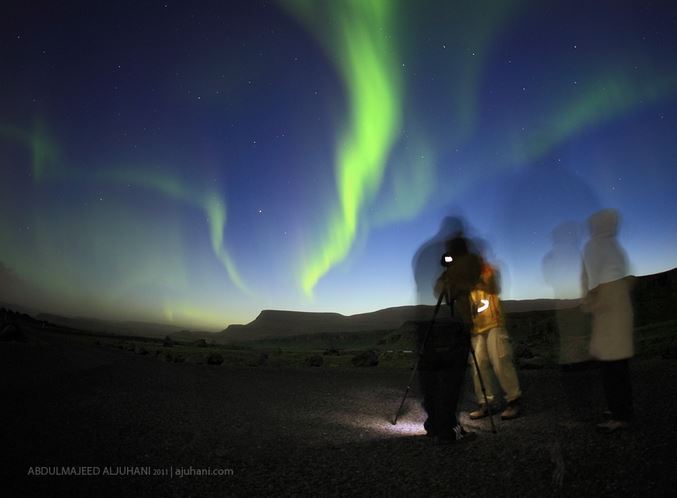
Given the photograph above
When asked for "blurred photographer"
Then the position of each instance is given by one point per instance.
(444, 354)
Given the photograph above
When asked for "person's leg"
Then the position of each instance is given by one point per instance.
(626, 411)
(445, 403)
(450, 384)
(479, 344)
(576, 383)
(618, 394)
(427, 377)
(500, 356)
(618, 389)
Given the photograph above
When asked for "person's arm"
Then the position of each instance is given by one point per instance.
(587, 301)
(584, 282)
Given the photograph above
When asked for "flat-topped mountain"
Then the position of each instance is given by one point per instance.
(278, 323)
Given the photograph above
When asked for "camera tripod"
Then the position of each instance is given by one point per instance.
(443, 296)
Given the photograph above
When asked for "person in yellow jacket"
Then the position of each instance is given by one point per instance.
(492, 346)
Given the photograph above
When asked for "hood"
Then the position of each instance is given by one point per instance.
(604, 223)
(566, 233)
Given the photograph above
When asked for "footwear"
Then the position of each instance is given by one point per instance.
(512, 410)
(459, 435)
(481, 412)
(612, 426)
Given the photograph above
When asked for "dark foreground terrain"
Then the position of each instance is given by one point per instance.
(297, 431)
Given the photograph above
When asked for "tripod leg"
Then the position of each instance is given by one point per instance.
(418, 359)
(406, 392)
(484, 391)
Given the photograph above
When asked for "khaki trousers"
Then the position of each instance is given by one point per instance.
(494, 356)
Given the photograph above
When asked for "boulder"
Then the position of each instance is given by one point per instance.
(140, 350)
(200, 343)
(11, 332)
(366, 359)
(314, 361)
(332, 352)
(214, 359)
(167, 342)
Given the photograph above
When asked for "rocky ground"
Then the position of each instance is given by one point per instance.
(298, 431)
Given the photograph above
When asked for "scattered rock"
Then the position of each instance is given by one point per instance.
(130, 346)
(179, 358)
(214, 359)
(366, 359)
(169, 357)
(11, 332)
(332, 352)
(314, 361)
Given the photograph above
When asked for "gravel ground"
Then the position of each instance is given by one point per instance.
(311, 431)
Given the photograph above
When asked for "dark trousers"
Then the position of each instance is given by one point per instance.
(617, 388)
(441, 372)
(577, 380)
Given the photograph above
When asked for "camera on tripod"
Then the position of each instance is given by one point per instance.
(446, 260)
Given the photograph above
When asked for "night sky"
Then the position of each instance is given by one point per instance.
(196, 162)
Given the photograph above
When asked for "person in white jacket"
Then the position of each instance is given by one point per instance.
(607, 296)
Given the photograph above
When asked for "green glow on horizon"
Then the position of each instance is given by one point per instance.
(58, 278)
(213, 205)
(357, 35)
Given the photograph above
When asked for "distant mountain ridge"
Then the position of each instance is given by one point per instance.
(144, 329)
(654, 299)
(278, 323)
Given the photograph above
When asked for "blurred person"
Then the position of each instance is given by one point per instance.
(607, 298)
(492, 346)
(426, 261)
(444, 354)
(562, 267)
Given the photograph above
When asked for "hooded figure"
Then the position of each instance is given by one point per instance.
(606, 290)
(607, 297)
